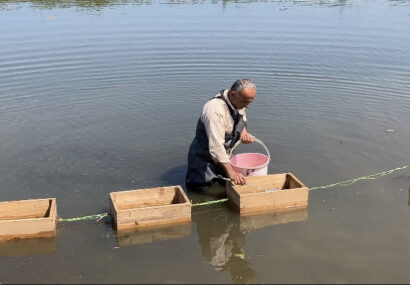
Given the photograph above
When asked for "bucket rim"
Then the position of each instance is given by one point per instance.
(260, 154)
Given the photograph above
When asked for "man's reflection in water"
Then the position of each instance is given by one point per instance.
(222, 231)
(222, 241)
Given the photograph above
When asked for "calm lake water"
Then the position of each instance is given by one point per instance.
(103, 96)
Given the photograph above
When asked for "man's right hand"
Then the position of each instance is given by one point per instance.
(235, 177)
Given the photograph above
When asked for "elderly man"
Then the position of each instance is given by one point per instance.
(221, 125)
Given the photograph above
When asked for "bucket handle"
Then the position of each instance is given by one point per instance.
(230, 152)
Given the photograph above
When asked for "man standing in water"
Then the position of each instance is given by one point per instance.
(222, 123)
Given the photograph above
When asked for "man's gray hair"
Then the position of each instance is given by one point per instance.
(241, 84)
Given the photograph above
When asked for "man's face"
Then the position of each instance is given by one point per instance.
(244, 98)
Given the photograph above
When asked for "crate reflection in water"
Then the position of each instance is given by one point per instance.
(153, 234)
(283, 216)
(21, 247)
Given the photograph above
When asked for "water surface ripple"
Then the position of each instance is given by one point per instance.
(97, 97)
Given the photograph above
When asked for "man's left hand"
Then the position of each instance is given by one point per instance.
(246, 137)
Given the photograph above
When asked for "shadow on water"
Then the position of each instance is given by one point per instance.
(174, 176)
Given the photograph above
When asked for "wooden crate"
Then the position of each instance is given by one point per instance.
(267, 193)
(28, 218)
(150, 207)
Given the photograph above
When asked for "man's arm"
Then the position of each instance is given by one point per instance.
(236, 177)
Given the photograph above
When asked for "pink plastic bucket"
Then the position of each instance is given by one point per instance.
(251, 164)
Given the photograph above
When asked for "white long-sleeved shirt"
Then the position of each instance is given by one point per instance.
(218, 121)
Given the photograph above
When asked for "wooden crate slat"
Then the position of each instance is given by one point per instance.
(23, 209)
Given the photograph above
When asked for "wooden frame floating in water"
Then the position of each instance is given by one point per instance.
(267, 192)
(28, 219)
(150, 207)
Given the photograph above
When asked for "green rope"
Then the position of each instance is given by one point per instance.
(343, 183)
(90, 217)
(210, 202)
(350, 182)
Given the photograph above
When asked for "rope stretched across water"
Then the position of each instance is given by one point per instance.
(346, 183)
(96, 217)
(368, 177)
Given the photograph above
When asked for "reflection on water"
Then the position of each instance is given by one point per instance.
(28, 247)
(283, 216)
(98, 4)
(223, 243)
(89, 4)
(222, 236)
(155, 234)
